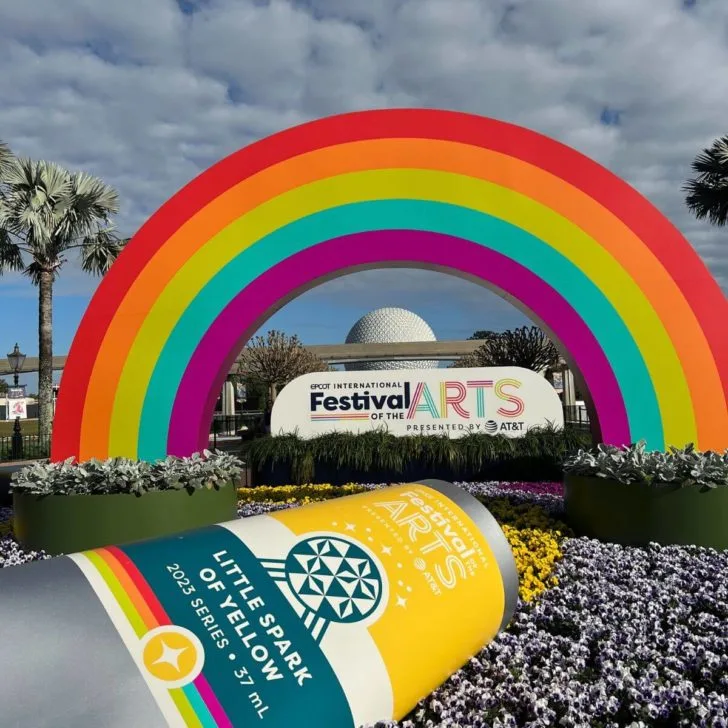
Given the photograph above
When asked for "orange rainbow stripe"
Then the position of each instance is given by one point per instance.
(196, 703)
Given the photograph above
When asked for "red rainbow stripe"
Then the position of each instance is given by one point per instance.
(145, 607)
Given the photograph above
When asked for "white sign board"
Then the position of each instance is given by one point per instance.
(17, 408)
(496, 400)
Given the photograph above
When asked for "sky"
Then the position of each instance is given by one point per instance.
(148, 94)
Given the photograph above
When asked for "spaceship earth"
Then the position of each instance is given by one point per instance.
(390, 325)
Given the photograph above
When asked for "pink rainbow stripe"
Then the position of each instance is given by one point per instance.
(216, 352)
(213, 704)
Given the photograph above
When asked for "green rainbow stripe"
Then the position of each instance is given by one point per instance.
(127, 589)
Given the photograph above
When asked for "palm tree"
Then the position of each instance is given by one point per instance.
(6, 156)
(47, 212)
(707, 192)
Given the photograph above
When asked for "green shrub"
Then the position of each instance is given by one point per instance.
(120, 475)
(384, 455)
(634, 464)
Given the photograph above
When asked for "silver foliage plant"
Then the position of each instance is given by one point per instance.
(635, 464)
(121, 475)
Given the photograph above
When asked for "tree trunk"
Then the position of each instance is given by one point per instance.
(45, 356)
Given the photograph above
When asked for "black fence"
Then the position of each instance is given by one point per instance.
(225, 433)
(229, 430)
(576, 416)
(24, 447)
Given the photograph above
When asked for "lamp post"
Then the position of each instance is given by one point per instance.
(16, 359)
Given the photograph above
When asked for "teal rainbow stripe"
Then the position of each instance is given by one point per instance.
(484, 230)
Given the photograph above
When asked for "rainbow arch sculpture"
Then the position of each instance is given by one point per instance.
(577, 248)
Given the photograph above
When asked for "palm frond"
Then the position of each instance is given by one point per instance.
(42, 181)
(94, 194)
(720, 150)
(6, 156)
(706, 194)
(55, 182)
(11, 258)
(5, 212)
(99, 251)
(707, 201)
(34, 201)
(91, 202)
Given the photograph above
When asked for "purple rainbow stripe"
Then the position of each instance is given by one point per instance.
(216, 352)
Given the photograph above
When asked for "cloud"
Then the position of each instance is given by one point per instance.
(148, 94)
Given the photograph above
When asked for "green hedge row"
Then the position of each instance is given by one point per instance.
(339, 458)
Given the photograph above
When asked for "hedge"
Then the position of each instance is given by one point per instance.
(341, 457)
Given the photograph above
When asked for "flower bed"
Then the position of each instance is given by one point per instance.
(621, 636)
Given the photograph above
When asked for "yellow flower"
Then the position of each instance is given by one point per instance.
(290, 493)
(535, 540)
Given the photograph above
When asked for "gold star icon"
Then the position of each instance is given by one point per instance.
(401, 601)
(387, 550)
(350, 527)
(170, 655)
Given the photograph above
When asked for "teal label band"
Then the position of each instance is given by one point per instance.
(261, 661)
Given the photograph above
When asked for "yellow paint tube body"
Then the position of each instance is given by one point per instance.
(339, 613)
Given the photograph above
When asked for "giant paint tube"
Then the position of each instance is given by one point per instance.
(339, 614)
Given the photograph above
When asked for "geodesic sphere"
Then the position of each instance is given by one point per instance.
(385, 326)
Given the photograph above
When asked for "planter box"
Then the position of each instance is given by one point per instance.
(69, 523)
(636, 514)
